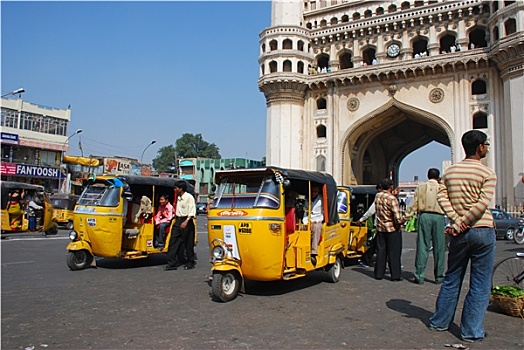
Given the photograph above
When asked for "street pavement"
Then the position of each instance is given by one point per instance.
(124, 304)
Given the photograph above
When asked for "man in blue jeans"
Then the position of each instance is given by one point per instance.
(466, 191)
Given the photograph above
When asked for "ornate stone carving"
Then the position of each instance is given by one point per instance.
(392, 89)
(436, 95)
(353, 104)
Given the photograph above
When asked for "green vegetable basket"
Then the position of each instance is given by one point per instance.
(509, 299)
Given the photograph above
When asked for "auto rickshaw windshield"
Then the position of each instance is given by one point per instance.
(258, 191)
(100, 195)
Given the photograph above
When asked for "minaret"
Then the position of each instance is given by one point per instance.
(284, 59)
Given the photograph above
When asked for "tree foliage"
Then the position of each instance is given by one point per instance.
(165, 160)
(193, 146)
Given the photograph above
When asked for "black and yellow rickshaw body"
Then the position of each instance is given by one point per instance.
(14, 216)
(64, 208)
(106, 223)
(257, 232)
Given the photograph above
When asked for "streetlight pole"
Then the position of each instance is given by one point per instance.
(62, 157)
(142, 156)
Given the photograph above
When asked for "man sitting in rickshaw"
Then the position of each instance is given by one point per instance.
(163, 218)
(15, 209)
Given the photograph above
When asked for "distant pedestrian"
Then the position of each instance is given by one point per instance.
(430, 228)
(466, 192)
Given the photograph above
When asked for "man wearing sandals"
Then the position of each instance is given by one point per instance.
(466, 192)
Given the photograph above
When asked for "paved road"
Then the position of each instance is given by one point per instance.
(137, 305)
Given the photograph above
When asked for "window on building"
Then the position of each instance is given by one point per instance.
(368, 55)
(345, 18)
(419, 3)
(346, 61)
(309, 25)
(495, 6)
(478, 87)
(379, 11)
(323, 61)
(510, 26)
(321, 131)
(48, 158)
(321, 163)
(480, 120)
(446, 42)
(26, 121)
(300, 67)
(420, 47)
(356, 16)
(9, 118)
(392, 8)
(272, 67)
(264, 47)
(263, 69)
(287, 66)
(321, 103)
(287, 44)
(507, 3)
(300, 45)
(333, 21)
(368, 13)
(323, 23)
(404, 5)
(273, 45)
(477, 37)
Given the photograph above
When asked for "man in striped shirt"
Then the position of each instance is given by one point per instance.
(466, 192)
(389, 236)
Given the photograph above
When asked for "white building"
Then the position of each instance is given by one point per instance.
(33, 140)
(353, 87)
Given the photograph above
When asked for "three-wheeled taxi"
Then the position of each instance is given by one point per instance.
(349, 199)
(112, 220)
(26, 208)
(64, 208)
(259, 228)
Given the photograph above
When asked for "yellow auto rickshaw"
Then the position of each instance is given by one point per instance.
(114, 218)
(259, 228)
(64, 208)
(360, 234)
(26, 208)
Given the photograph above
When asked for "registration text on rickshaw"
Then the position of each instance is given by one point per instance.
(232, 213)
(91, 222)
(244, 228)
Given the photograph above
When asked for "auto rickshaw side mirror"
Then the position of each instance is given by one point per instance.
(287, 184)
(213, 187)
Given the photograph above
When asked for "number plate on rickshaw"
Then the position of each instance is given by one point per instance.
(244, 228)
(91, 222)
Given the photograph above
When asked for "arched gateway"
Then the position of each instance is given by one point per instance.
(353, 87)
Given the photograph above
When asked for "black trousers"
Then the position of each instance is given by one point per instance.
(178, 251)
(389, 249)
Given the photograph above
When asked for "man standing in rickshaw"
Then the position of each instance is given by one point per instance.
(317, 218)
(181, 250)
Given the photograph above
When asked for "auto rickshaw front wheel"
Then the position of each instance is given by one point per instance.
(79, 259)
(225, 285)
(334, 270)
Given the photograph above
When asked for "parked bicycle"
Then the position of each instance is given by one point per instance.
(509, 272)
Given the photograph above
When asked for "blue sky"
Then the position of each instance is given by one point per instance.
(137, 71)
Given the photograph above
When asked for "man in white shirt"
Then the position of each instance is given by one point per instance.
(317, 217)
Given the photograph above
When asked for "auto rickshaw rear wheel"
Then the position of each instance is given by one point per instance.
(69, 225)
(79, 259)
(225, 285)
(334, 270)
(53, 230)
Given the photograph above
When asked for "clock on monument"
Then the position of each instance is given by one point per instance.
(393, 50)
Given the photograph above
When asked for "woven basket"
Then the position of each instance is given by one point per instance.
(511, 306)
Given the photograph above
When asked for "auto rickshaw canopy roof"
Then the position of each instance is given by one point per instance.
(318, 177)
(148, 181)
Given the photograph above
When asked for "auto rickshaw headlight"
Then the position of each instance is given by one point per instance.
(218, 253)
(73, 235)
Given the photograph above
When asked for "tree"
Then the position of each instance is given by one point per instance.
(193, 146)
(165, 160)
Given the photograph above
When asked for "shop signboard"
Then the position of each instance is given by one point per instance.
(31, 170)
(8, 138)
